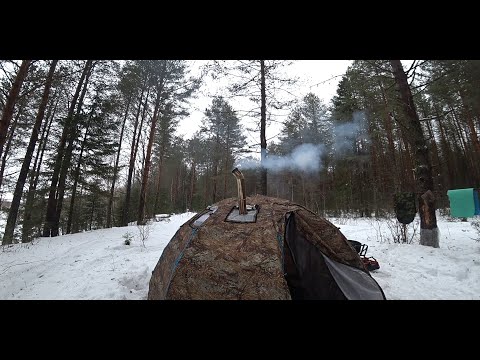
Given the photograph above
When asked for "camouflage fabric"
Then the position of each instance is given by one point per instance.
(405, 208)
(327, 238)
(227, 260)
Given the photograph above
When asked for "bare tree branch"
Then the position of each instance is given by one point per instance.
(437, 116)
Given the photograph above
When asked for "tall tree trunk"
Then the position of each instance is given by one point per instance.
(423, 171)
(226, 171)
(143, 190)
(9, 143)
(161, 157)
(205, 189)
(48, 228)
(76, 176)
(35, 174)
(214, 184)
(216, 161)
(133, 155)
(461, 134)
(67, 159)
(17, 195)
(473, 137)
(435, 156)
(173, 190)
(115, 168)
(159, 181)
(446, 151)
(458, 154)
(185, 188)
(375, 172)
(225, 179)
(393, 171)
(192, 186)
(407, 177)
(466, 166)
(470, 123)
(263, 139)
(76, 222)
(92, 213)
(7, 114)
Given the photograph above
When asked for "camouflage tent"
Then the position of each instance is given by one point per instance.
(278, 250)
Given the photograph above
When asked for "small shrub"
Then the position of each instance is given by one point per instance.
(144, 232)
(390, 228)
(476, 226)
(128, 238)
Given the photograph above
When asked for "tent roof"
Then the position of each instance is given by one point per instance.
(231, 260)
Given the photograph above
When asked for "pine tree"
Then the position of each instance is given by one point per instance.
(423, 170)
(13, 213)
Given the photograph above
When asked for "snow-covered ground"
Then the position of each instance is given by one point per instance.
(413, 271)
(90, 265)
(98, 265)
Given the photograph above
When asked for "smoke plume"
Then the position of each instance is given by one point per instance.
(305, 157)
(345, 133)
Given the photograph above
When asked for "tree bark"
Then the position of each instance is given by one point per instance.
(35, 173)
(435, 159)
(78, 221)
(159, 180)
(214, 184)
(48, 228)
(143, 190)
(226, 171)
(77, 175)
(423, 171)
(161, 156)
(7, 114)
(192, 185)
(205, 188)
(393, 173)
(133, 156)
(115, 168)
(407, 180)
(92, 213)
(9, 143)
(67, 159)
(446, 151)
(473, 137)
(17, 195)
(263, 139)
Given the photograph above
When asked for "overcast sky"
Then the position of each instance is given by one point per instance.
(317, 76)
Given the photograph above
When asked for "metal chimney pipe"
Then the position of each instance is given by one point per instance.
(242, 201)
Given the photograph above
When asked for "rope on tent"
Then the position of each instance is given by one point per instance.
(179, 257)
(280, 244)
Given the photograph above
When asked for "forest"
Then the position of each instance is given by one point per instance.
(90, 144)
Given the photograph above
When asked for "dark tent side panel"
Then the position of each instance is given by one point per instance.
(321, 265)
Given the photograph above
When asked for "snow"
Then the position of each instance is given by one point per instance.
(91, 265)
(417, 272)
(98, 265)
